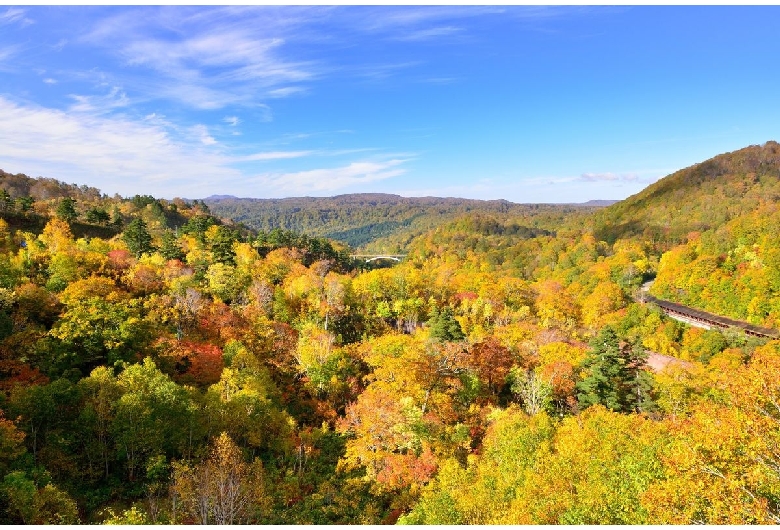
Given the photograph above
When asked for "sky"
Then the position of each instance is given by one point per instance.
(525, 103)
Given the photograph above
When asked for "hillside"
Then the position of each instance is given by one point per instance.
(152, 355)
(378, 221)
(714, 229)
(697, 198)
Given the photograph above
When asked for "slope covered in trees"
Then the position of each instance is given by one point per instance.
(163, 366)
(375, 221)
(698, 198)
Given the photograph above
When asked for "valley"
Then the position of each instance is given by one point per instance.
(359, 359)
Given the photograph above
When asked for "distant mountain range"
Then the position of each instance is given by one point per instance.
(380, 196)
(364, 218)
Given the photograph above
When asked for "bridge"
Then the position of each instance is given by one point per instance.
(702, 319)
(373, 257)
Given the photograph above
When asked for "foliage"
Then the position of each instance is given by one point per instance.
(193, 370)
(614, 377)
(137, 237)
(444, 327)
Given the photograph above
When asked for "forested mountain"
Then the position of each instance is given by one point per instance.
(724, 212)
(703, 196)
(376, 221)
(161, 365)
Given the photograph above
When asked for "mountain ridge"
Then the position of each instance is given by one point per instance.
(696, 198)
(381, 219)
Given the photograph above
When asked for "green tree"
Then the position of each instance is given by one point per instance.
(95, 331)
(6, 202)
(444, 327)
(97, 216)
(614, 376)
(170, 248)
(137, 237)
(25, 203)
(222, 246)
(38, 506)
(66, 210)
(153, 416)
(116, 218)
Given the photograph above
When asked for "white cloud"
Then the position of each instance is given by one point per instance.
(115, 154)
(114, 99)
(13, 15)
(384, 19)
(274, 155)
(609, 177)
(50, 81)
(285, 91)
(383, 71)
(231, 120)
(202, 133)
(7, 52)
(118, 154)
(430, 33)
(328, 180)
(208, 64)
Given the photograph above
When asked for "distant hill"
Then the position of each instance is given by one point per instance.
(383, 220)
(697, 198)
(598, 202)
(28, 203)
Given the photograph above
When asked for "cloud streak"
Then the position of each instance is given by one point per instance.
(609, 177)
(329, 180)
(430, 33)
(115, 154)
(205, 62)
(118, 154)
(274, 155)
(12, 15)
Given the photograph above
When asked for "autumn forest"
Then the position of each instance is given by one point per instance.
(225, 361)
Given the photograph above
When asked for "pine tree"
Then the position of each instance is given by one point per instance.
(6, 202)
(66, 210)
(615, 378)
(170, 248)
(444, 327)
(137, 238)
(222, 246)
(97, 216)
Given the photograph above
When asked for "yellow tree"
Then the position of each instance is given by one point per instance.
(222, 490)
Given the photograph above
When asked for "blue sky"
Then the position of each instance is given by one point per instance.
(529, 104)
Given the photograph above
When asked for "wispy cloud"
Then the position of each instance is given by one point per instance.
(402, 18)
(50, 81)
(113, 99)
(14, 15)
(328, 180)
(430, 33)
(383, 71)
(201, 132)
(115, 154)
(285, 91)
(609, 177)
(6, 53)
(119, 154)
(206, 64)
(274, 155)
(231, 120)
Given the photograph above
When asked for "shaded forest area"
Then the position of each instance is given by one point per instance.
(159, 364)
